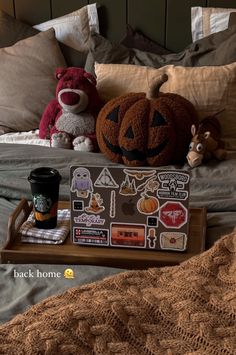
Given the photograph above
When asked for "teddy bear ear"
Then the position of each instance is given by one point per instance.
(60, 72)
(90, 78)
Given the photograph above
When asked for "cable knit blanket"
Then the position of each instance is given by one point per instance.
(188, 309)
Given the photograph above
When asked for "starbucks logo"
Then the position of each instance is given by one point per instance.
(42, 203)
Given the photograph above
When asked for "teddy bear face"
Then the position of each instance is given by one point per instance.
(74, 90)
(73, 100)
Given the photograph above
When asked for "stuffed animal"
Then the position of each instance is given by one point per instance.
(206, 142)
(69, 120)
(150, 128)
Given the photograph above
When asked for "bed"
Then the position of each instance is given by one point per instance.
(213, 185)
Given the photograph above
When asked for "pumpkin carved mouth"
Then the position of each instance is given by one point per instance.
(141, 129)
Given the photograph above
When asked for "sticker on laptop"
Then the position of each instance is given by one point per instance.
(127, 187)
(139, 174)
(81, 182)
(173, 241)
(173, 215)
(113, 204)
(173, 185)
(90, 236)
(129, 235)
(105, 179)
(147, 204)
(95, 204)
(152, 238)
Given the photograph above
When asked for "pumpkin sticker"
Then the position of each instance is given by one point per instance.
(147, 204)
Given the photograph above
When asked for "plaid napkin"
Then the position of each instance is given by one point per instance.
(31, 234)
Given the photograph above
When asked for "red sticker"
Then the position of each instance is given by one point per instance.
(173, 215)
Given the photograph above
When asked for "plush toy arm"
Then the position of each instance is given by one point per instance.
(48, 119)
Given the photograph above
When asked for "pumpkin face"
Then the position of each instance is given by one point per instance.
(137, 130)
(147, 204)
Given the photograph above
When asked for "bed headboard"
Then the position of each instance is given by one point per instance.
(166, 21)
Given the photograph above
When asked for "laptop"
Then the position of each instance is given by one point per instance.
(125, 207)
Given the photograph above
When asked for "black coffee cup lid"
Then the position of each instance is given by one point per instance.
(44, 175)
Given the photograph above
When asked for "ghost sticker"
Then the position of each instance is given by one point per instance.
(81, 182)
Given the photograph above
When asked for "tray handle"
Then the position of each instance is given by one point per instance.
(19, 216)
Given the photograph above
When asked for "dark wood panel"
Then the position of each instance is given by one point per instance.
(112, 18)
(221, 3)
(33, 12)
(149, 17)
(62, 7)
(7, 6)
(178, 25)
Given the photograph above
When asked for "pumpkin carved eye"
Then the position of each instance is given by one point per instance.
(114, 115)
(129, 133)
(146, 129)
(158, 120)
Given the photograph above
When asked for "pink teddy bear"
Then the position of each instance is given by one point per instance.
(69, 120)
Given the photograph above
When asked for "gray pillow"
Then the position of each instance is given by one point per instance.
(12, 30)
(27, 81)
(136, 39)
(217, 49)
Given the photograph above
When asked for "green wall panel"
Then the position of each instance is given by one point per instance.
(33, 12)
(221, 3)
(62, 7)
(7, 6)
(148, 16)
(178, 23)
(112, 18)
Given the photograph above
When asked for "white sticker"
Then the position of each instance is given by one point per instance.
(106, 180)
(81, 182)
(139, 174)
(113, 204)
(173, 241)
(172, 185)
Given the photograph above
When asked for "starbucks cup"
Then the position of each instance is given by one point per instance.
(45, 183)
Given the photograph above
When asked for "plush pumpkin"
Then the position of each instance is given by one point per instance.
(147, 204)
(146, 129)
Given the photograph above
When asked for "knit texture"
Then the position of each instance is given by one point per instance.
(188, 309)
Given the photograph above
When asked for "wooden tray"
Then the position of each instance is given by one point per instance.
(23, 253)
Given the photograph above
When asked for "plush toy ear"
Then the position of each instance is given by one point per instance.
(60, 72)
(207, 134)
(193, 130)
(90, 78)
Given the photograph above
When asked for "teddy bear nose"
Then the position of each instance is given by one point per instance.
(70, 98)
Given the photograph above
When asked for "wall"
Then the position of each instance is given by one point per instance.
(166, 21)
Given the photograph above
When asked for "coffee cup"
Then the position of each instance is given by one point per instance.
(45, 184)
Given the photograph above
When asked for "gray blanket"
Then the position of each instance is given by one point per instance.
(212, 185)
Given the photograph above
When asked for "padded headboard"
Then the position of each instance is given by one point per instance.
(166, 21)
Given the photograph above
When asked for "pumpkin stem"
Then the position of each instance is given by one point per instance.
(153, 91)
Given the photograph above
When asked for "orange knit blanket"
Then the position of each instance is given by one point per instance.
(188, 309)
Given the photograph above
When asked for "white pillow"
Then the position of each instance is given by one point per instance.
(208, 20)
(74, 29)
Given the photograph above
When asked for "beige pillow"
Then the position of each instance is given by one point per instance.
(208, 20)
(27, 81)
(209, 88)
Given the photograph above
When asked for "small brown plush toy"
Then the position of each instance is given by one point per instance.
(146, 128)
(206, 142)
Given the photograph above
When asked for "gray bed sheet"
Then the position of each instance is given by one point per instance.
(212, 185)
